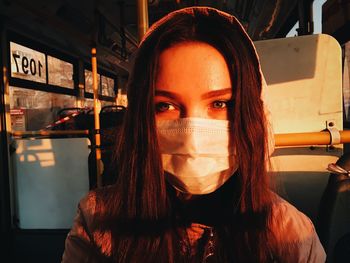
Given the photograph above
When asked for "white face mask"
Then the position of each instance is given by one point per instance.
(196, 153)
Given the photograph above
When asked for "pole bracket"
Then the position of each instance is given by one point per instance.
(334, 132)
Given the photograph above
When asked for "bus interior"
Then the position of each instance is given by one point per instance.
(48, 136)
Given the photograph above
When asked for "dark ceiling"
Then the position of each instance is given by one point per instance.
(73, 25)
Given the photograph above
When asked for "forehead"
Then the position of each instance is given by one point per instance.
(192, 65)
(190, 51)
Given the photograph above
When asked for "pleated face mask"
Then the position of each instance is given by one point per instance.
(196, 153)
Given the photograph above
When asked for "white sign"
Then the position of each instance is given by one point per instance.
(27, 63)
(18, 121)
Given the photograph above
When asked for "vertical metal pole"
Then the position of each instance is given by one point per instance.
(306, 25)
(97, 109)
(80, 103)
(142, 17)
(7, 204)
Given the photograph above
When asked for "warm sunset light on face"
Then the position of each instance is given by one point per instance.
(193, 81)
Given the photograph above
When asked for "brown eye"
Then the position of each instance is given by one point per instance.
(219, 104)
(164, 106)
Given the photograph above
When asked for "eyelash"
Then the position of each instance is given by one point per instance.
(219, 104)
(227, 104)
(158, 106)
(162, 104)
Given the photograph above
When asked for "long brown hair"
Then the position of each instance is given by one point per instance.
(139, 207)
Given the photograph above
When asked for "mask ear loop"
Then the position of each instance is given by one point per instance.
(334, 168)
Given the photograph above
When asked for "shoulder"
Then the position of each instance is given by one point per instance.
(94, 203)
(86, 225)
(295, 234)
(288, 219)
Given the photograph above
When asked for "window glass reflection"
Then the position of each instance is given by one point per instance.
(88, 81)
(346, 80)
(32, 110)
(107, 86)
(60, 72)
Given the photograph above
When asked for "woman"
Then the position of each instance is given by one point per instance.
(192, 158)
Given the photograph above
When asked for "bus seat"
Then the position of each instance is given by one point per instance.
(68, 111)
(66, 119)
(304, 93)
(333, 223)
(113, 108)
(111, 119)
(342, 249)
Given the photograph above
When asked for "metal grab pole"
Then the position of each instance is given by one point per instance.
(142, 17)
(309, 138)
(97, 109)
(48, 133)
(285, 139)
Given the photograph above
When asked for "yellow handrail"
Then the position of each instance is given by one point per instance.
(142, 17)
(281, 139)
(97, 109)
(48, 133)
(309, 138)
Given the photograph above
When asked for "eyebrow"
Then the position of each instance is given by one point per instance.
(216, 93)
(168, 94)
(208, 95)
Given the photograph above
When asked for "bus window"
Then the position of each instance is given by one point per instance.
(88, 81)
(107, 86)
(346, 82)
(60, 72)
(33, 109)
(122, 99)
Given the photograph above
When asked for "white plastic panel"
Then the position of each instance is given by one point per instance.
(304, 91)
(304, 82)
(51, 176)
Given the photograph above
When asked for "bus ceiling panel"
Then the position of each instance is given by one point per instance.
(267, 17)
(41, 24)
(74, 25)
(69, 27)
(76, 18)
(263, 19)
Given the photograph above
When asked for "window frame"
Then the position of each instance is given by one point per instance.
(47, 51)
(105, 73)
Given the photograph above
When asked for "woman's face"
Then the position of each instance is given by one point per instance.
(193, 81)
